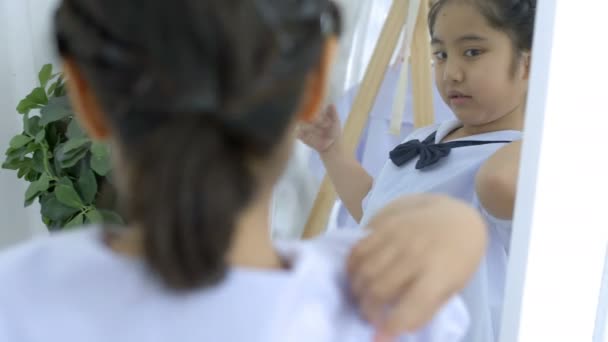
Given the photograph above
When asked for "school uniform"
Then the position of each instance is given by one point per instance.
(376, 140)
(452, 171)
(71, 287)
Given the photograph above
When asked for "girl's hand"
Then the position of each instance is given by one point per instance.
(323, 132)
(421, 251)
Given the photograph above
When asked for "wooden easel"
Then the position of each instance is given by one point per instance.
(364, 101)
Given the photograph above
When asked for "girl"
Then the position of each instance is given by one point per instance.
(199, 100)
(482, 52)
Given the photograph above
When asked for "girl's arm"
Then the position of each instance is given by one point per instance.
(496, 182)
(351, 181)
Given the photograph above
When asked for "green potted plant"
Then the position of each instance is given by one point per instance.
(65, 169)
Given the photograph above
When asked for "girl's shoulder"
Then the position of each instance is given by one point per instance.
(39, 251)
(327, 310)
(59, 261)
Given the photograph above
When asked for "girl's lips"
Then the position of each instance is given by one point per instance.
(459, 100)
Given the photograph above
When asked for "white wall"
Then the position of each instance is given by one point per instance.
(25, 46)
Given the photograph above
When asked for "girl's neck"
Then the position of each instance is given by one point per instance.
(513, 121)
(251, 245)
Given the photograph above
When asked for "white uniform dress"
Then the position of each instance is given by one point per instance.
(376, 140)
(72, 288)
(455, 175)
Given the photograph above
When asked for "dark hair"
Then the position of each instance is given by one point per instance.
(195, 90)
(514, 17)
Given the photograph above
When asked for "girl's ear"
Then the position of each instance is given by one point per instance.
(85, 103)
(317, 83)
(527, 64)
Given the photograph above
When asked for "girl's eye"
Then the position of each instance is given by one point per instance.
(440, 55)
(472, 52)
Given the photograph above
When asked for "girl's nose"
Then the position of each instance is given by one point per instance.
(452, 72)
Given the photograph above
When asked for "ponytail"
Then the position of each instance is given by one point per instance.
(186, 193)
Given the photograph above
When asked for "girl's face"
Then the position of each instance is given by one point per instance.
(478, 72)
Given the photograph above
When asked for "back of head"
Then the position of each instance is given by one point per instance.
(194, 91)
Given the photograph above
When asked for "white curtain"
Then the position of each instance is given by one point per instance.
(25, 46)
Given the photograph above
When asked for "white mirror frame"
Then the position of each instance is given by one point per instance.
(561, 225)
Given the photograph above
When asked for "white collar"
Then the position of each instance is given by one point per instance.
(447, 127)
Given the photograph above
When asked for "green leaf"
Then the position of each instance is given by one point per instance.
(32, 147)
(72, 158)
(26, 119)
(74, 144)
(31, 125)
(74, 130)
(40, 136)
(67, 195)
(71, 152)
(60, 89)
(36, 99)
(38, 96)
(19, 141)
(38, 161)
(52, 88)
(100, 159)
(24, 166)
(11, 165)
(16, 158)
(64, 181)
(16, 153)
(111, 217)
(26, 105)
(36, 188)
(58, 108)
(94, 216)
(75, 222)
(45, 75)
(87, 185)
(32, 176)
(22, 173)
(100, 150)
(51, 208)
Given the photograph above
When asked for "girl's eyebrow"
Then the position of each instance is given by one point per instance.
(462, 39)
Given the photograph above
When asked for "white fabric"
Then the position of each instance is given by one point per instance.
(72, 288)
(455, 176)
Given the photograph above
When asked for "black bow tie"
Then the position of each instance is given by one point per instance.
(429, 152)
